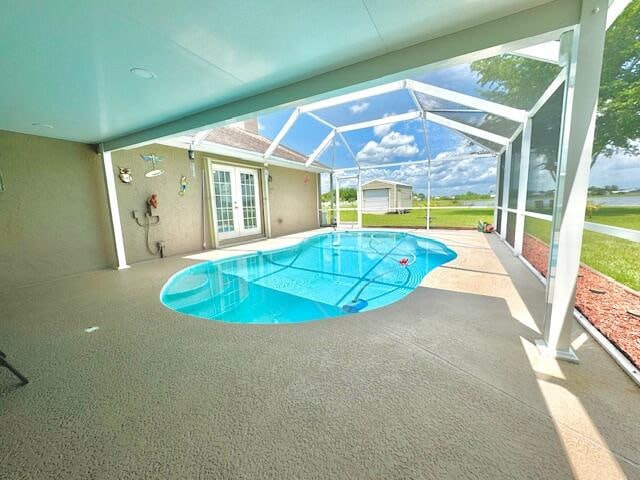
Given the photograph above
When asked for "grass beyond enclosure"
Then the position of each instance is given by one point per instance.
(626, 217)
(440, 217)
(615, 257)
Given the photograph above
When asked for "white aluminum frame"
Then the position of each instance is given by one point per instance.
(412, 86)
(522, 185)
(114, 210)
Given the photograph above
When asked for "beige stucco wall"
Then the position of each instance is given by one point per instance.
(54, 218)
(292, 201)
(181, 221)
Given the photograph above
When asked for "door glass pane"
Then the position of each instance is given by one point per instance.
(248, 191)
(224, 201)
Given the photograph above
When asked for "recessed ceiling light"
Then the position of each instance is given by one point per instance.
(42, 125)
(143, 73)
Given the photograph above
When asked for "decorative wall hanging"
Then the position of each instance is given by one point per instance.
(306, 179)
(152, 160)
(183, 185)
(192, 161)
(152, 201)
(125, 174)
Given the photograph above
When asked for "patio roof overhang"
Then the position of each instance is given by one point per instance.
(539, 24)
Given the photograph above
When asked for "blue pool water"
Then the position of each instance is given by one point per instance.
(328, 275)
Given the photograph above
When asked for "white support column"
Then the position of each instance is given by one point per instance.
(581, 51)
(497, 192)
(429, 194)
(265, 203)
(428, 152)
(505, 190)
(337, 201)
(331, 198)
(522, 186)
(114, 211)
(360, 203)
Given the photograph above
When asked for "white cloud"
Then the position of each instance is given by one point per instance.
(447, 178)
(392, 146)
(619, 169)
(382, 130)
(459, 151)
(359, 107)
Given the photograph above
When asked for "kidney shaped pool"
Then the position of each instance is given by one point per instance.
(327, 275)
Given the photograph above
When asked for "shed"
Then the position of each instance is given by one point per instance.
(383, 196)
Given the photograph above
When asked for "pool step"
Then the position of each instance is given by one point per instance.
(191, 285)
(198, 299)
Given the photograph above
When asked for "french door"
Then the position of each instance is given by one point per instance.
(236, 201)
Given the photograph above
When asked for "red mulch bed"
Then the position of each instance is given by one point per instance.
(607, 311)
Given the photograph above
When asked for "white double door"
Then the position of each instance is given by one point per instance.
(236, 201)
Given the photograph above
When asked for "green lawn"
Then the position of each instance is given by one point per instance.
(627, 217)
(612, 256)
(440, 217)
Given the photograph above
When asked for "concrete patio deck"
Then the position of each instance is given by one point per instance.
(446, 383)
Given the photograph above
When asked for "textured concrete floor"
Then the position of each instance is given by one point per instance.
(443, 384)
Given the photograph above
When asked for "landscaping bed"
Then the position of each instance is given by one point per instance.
(603, 301)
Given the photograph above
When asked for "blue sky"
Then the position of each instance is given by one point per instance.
(404, 141)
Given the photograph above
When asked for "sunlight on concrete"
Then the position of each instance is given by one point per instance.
(478, 270)
(586, 451)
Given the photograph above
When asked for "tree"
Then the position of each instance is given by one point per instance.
(346, 195)
(618, 125)
(518, 82)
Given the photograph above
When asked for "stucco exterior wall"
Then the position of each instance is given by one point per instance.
(54, 218)
(292, 200)
(181, 219)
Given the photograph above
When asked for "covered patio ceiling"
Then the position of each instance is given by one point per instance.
(210, 63)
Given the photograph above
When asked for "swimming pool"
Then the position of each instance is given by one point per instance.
(327, 275)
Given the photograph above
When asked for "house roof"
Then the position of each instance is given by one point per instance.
(237, 137)
(390, 182)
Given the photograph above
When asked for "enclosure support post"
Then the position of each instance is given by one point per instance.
(114, 211)
(265, 201)
(429, 195)
(497, 193)
(505, 191)
(359, 202)
(581, 52)
(426, 147)
(522, 186)
(331, 198)
(338, 202)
